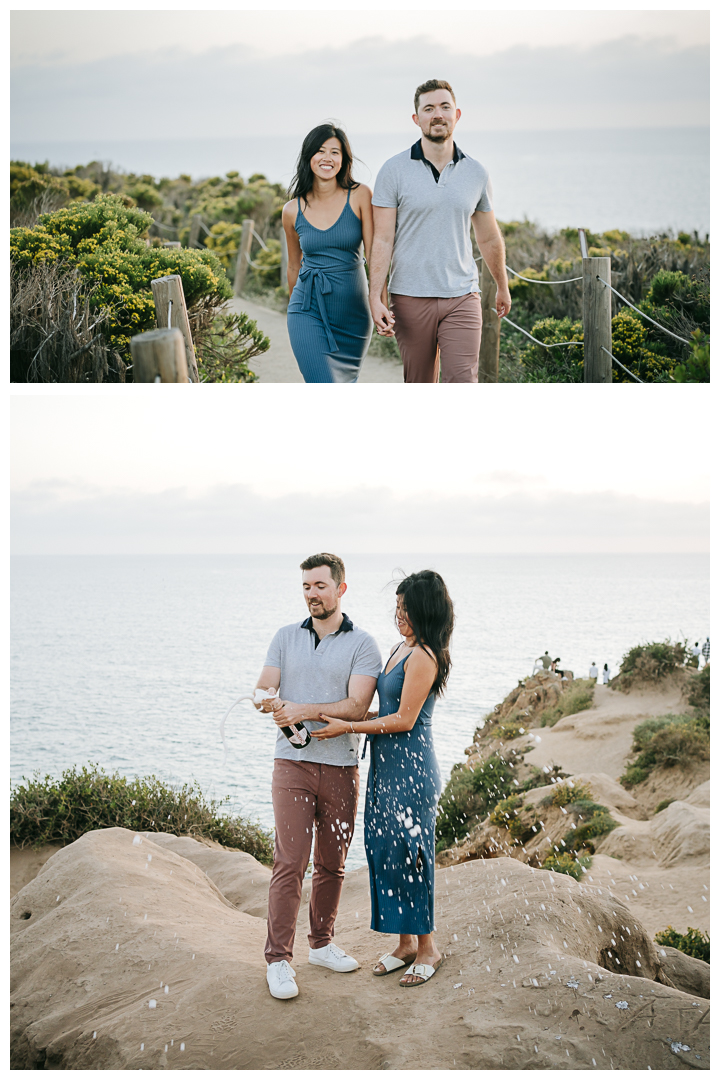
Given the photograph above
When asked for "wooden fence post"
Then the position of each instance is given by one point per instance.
(167, 291)
(194, 238)
(490, 340)
(159, 356)
(241, 267)
(597, 321)
(283, 258)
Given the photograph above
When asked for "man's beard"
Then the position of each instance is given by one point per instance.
(323, 613)
(439, 138)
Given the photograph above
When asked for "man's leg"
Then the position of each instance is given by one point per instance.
(416, 330)
(294, 793)
(335, 821)
(459, 331)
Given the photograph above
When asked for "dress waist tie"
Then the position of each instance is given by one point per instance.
(317, 282)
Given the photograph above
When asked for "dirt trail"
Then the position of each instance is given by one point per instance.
(278, 364)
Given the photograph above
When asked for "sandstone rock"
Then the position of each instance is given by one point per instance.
(540, 972)
(686, 973)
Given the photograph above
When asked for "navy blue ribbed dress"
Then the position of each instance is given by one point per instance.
(328, 317)
(403, 789)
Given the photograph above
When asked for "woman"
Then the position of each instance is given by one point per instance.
(605, 675)
(327, 220)
(404, 779)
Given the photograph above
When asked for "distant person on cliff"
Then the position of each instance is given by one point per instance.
(706, 650)
(425, 200)
(404, 781)
(605, 675)
(327, 222)
(545, 661)
(593, 671)
(694, 660)
(323, 663)
(555, 669)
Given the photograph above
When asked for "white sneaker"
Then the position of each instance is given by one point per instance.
(280, 980)
(330, 956)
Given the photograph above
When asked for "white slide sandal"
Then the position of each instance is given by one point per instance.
(392, 963)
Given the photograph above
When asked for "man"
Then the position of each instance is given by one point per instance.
(706, 650)
(424, 203)
(324, 664)
(694, 660)
(544, 660)
(593, 671)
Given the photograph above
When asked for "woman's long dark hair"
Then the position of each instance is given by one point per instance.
(429, 610)
(302, 182)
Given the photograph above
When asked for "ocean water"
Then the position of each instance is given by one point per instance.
(131, 662)
(642, 180)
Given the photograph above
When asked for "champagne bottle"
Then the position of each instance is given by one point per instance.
(296, 734)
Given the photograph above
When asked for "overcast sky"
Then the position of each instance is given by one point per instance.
(233, 74)
(184, 471)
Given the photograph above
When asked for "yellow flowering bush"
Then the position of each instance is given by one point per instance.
(630, 346)
(104, 239)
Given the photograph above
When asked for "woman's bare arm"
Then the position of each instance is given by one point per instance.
(420, 672)
(293, 242)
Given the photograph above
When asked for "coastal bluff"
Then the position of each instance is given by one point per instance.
(145, 951)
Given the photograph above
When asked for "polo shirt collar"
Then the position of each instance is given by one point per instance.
(416, 153)
(345, 625)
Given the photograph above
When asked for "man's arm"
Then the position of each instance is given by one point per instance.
(492, 248)
(384, 218)
(269, 680)
(354, 707)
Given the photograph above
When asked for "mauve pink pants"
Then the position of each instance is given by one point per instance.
(307, 795)
(424, 325)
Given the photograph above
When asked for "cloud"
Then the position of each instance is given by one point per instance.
(60, 518)
(237, 92)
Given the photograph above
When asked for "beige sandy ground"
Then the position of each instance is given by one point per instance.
(278, 364)
(540, 971)
(110, 925)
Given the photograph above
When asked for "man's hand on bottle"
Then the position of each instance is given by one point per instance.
(287, 712)
(267, 704)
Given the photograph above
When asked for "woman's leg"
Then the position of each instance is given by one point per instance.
(406, 948)
(427, 953)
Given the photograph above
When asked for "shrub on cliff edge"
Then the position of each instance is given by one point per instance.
(693, 943)
(49, 811)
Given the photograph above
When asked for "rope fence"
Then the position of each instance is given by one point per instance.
(609, 286)
(615, 359)
(597, 313)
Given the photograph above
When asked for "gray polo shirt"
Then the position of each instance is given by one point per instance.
(432, 255)
(316, 670)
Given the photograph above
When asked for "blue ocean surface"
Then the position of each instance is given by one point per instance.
(642, 180)
(131, 662)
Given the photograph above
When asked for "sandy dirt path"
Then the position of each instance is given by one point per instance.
(278, 364)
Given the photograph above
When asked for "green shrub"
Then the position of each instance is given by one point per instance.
(468, 796)
(224, 241)
(226, 348)
(562, 364)
(663, 805)
(104, 240)
(698, 689)
(665, 741)
(577, 698)
(693, 943)
(650, 663)
(600, 824)
(696, 367)
(566, 793)
(49, 811)
(506, 814)
(575, 866)
(630, 346)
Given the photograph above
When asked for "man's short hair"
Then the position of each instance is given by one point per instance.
(333, 562)
(429, 86)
